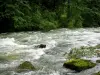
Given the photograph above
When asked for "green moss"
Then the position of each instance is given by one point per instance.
(6, 58)
(25, 66)
(71, 24)
(85, 51)
(78, 64)
(12, 57)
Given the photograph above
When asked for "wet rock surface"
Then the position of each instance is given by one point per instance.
(78, 64)
(41, 46)
(25, 66)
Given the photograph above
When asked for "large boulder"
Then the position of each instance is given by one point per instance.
(78, 64)
(25, 66)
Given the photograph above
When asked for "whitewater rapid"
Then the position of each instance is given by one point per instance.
(50, 59)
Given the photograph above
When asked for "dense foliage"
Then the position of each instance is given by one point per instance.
(24, 15)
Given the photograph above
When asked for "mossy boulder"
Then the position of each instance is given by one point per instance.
(78, 64)
(25, 66)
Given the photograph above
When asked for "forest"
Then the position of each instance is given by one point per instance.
(44, 15)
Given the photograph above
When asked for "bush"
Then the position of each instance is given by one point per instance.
(23, 15)
(47, 25)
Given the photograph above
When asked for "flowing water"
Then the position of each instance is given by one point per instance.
(18, 47)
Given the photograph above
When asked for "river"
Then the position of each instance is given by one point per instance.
(20, 46)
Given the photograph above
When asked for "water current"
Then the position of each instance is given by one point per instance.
(20, 46)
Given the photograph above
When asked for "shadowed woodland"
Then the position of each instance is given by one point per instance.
(44, 15)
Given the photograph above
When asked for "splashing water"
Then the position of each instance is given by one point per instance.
(49, 59)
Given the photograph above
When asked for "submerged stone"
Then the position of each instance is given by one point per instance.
(41, 46)
(25, 66)
(13, 56)
(78, 64)
(3, 59)
(97, 61)
(6, 58)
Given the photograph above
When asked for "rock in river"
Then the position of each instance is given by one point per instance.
(25, 66)
(97, 61)
(78, 64)
(41, 46)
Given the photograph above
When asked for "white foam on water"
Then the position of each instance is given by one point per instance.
(8, 65)
(10, 42)
(28, 49)
(93, 59)
(55, 73)
(51, 44)
(36, 54)
(85, 38)
(7, 41)
(23, 73)
(76, 38)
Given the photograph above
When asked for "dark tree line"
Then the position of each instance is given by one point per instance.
(24, 15)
